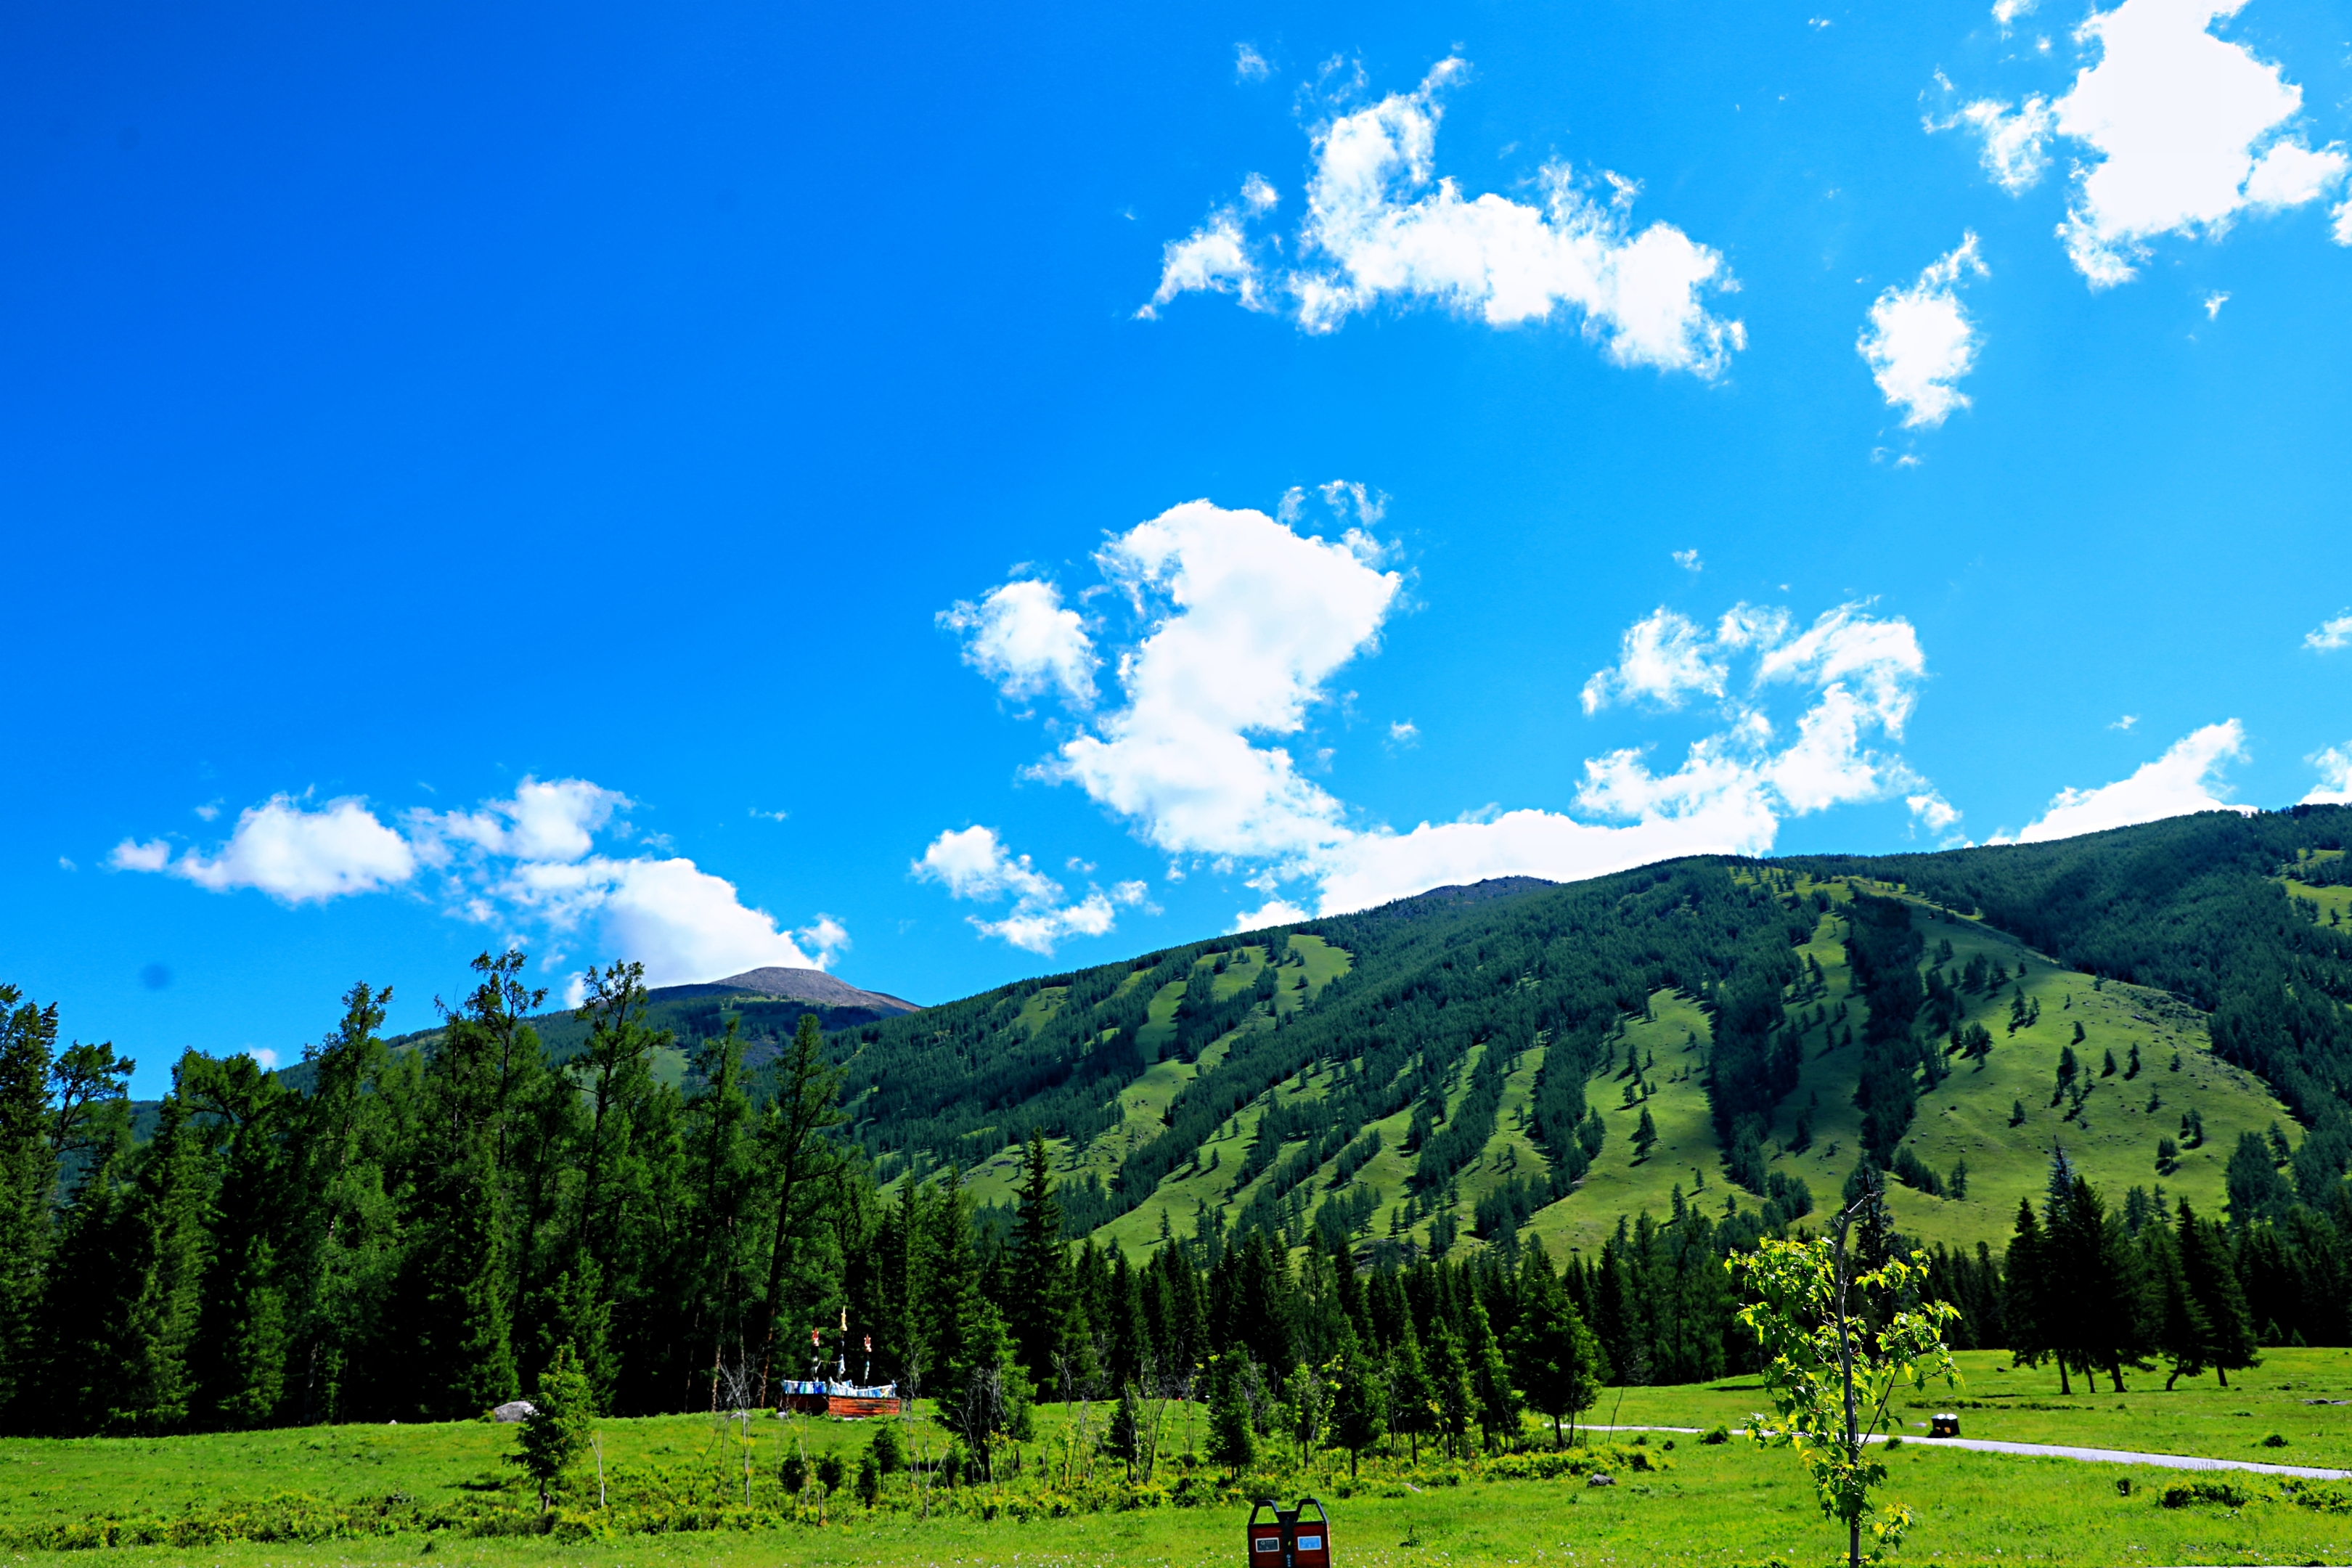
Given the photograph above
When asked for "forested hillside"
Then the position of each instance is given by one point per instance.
(1332, 1139)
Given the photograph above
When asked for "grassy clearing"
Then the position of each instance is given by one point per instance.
(1734, 1503)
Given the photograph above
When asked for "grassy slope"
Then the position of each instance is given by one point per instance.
(1968, 1116)
(1735, 1503)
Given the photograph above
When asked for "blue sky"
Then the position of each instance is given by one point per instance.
(951, 497)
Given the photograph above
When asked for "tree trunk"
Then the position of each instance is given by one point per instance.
(2223, 1373)
(2062, 1386)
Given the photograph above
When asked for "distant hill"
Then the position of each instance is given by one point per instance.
(1477, 1061)
(792, 984)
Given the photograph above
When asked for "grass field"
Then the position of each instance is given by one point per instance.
(1733, 1503)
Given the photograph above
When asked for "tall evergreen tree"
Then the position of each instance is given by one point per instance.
(2206, 1264)
(1040, 1294)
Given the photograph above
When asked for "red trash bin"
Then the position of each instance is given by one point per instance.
(1284, 1542)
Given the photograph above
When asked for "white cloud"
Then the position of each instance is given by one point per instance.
(1260, 194)
(1933, 811)
(1249, 65)
(1662, 658)
(2016, 142)
(2330, 634)
(66, 865)
(1273, 913)
(1381, 225)
(2213, 303)
(1404, 733)
(1245, 622)
(550, 821)
(2007, 11)
(972, 863)
(209, 810)
(1689, 561)
(684, 924)
(2186, 779)
(133, 856)
(263, 1057)
(2188, 130)
(1247, 618)
(528, 860)
(293, 855)
(1920, 342)
(1021, 637)
(2125, 723)
(2335, 765)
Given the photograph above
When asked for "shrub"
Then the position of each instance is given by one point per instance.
(2226, 1494)
(1719, 1435)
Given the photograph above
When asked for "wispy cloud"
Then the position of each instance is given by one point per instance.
(2330, 633)
(1249, 65)
(972, 863)
(1689, 561)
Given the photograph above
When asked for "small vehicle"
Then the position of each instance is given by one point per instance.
(1286, 1543)
(1945, 1424)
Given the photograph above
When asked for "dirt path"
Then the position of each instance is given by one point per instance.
(2065, 1451)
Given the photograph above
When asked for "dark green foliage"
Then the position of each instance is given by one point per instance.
(555, 1435)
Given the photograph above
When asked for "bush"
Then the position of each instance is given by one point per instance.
(831, 1472)
(1719, 1435)
(2225, 1494)
(889, 1458)
(2275, 1441)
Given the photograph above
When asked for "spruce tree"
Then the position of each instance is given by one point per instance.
(2213, 1284)
(2183, 1337)
(1039, 1295)
(557, 1431)
(29, 1179)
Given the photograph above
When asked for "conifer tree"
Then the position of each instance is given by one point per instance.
(2213, 1285)
(1232, 1437)
(1359, 1403)
(1039, 1293)
(556, 1433)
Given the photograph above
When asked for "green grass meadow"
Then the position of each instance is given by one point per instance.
(1732, 1503)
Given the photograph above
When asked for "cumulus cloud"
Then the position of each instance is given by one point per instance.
(1243, 623)
(295, 855)
(1919, 342)
(1021, 637)
(1382, 225)
(1246, 618)
(2185, 131)
(2007, 11)
(2330, 634)
(524, 862)
(2186, 779)
(2335, 787)
(972, 863)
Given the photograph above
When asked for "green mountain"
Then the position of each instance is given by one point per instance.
(1522, 1058)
